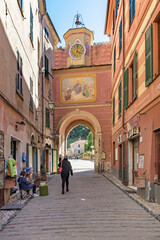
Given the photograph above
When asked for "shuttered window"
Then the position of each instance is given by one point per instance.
(21, 4)
(31, 23)
(46, 67)
(19, 74)
(113, 22)
(47, 118)
(113, 111)
(125, 90)
(135, 76)
(116, 7)
(120, 36)
(120, 99)
(131, 11)
(31, 93)
(148, 56)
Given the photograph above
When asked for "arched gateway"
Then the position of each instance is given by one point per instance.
(71, 120)
(82, 91)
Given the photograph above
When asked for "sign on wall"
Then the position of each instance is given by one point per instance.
(78, 89)
(141, 161)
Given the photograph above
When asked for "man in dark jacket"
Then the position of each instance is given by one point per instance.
(26, 184)
(66, 170)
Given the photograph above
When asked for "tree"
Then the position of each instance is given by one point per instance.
(90, 141)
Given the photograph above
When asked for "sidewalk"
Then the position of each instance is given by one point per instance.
(151, 208)
(7, 216)
(93, 209)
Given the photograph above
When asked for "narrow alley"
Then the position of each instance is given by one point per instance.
(93, 209)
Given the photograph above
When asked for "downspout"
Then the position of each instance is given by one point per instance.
(42, 72)
(123, 68)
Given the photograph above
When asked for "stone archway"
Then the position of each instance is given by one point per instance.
(71, 120)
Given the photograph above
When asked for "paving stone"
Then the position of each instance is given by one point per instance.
(93, 209)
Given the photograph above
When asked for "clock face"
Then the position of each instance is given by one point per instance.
(77, 51)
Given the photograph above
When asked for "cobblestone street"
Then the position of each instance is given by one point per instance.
(94, 208)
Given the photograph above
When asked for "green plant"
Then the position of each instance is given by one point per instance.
(43, 169)
(142, 175)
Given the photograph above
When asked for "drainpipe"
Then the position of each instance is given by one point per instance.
(123, 67)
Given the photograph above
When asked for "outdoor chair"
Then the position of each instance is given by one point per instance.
(25, 192)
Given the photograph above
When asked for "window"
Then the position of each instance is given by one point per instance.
(131, 11)
(79, 145)
(21, 4)
(19, 74)
(114, 66)
(47, 118)
(132, 93)
(125, 90)
(113, 22)
(79, 151)
(148, 56)
(120, 37)
(134, 76)
(46, 67)
(114, 153)
(157, 162)
(31, 94)
(46, 33)
(113, 121)
(120, 99)
(116, 7)
(31, 23)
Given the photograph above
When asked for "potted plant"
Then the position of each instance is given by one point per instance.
(43, 173)
(140, 180)
(37, 180)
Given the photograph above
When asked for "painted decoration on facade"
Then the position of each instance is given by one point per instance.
(78, 89)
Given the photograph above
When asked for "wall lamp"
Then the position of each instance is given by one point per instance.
(43, 70)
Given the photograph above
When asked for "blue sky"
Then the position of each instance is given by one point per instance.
(93, 12)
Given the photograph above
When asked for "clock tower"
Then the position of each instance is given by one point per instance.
(78, 44)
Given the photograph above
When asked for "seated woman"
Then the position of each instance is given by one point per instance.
(26, 184)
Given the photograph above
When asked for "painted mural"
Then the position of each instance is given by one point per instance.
(78, 89)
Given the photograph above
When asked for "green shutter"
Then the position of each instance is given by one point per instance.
(113, 111)
(125, 90)
(31, 23)
(135, 76)
(116, 7)
(113, 21)
(120, 36)
(148, 56)
(120, 99)
(130, 12)
(47, 118)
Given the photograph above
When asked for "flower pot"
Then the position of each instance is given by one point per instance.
(44, 178)
(139, 182)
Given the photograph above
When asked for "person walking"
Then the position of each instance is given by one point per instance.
(66, 170)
